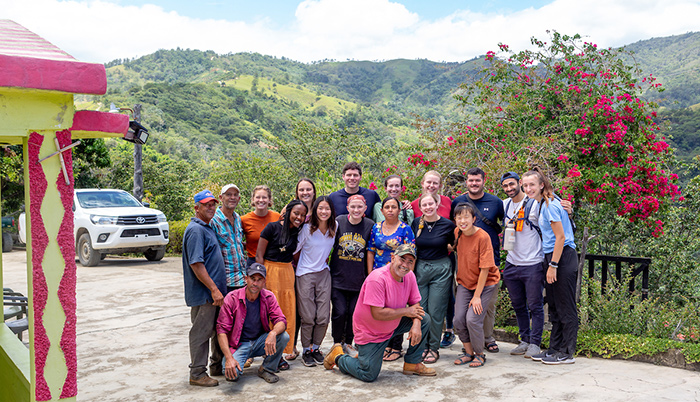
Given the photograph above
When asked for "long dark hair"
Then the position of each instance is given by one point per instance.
(288, 231)
(315, 221)
(461, 208)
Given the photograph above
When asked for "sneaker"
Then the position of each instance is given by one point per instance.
(336, 351)
(539, 356)
(308, 359)
(349, 350)
(559, 358)
(317, 355)
(448, 338)
(204, 381)
(520, 349)
(532, 350)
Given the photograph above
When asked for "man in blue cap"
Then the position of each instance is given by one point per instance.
(205, 286)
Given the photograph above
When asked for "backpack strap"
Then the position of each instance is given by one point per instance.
(492, 225)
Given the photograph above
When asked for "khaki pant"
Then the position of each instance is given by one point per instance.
(314, 304)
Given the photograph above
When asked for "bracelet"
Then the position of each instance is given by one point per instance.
(554, 265)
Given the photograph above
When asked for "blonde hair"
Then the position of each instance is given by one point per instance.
(258, 188)
(434, 173)
(547, 190)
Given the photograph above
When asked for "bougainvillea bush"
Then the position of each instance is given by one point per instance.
(572, 108)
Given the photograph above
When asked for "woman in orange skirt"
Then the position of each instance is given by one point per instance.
(276, 247)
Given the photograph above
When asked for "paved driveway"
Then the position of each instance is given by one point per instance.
(132, 346)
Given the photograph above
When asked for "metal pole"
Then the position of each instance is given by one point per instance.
(138, 172)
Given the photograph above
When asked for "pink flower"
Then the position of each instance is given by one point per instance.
(372, 186)
(574, 172)
(562, 158)
(681, 337)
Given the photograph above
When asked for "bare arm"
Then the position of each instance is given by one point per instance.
(558, 230)
(260, 252)
(232, 366)
(200, 271)
(568, 206)
(370, 261)
(387, 314)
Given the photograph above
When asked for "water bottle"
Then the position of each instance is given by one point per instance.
(509, 237)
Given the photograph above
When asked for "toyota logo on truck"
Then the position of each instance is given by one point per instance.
(140, 220)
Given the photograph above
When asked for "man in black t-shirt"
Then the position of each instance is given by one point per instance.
(352, 174)
(348, 269)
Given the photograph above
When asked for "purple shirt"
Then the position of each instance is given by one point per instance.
(233, 311)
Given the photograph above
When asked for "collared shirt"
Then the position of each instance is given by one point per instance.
(230, 237)
(199, 244)
(233, 312)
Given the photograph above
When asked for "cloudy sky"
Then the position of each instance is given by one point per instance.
(309, 30)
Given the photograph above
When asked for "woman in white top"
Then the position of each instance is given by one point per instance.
(313, 278)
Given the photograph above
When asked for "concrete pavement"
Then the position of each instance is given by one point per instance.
(132, 346)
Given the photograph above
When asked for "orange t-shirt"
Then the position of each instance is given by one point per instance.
(252, 226)
(473, 253)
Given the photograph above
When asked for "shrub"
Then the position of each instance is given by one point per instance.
(177, 230)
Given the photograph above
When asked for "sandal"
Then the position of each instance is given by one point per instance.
(492, 347)
(283, 365)
(425, 353)
(292, 355)
(392, 356)
(248, 362)
(464, 358)
(431, 357)
(479, 360)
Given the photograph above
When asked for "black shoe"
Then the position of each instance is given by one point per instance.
(308, 359)
(538, 357)
(559, 358)
(318, 356)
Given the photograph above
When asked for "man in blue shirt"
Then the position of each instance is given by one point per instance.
(352, 174)
(489, 212)
(205, 285)
(227, 225)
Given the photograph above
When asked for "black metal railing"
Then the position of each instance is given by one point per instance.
(638, 265)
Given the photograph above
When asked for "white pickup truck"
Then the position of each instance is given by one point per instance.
(113, 222)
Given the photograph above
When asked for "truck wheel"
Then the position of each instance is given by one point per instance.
(154, 254)
(7, 242)
(86, 254)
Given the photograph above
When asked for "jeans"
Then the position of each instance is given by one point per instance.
(368, 363)
(525, 285)
(257, 348)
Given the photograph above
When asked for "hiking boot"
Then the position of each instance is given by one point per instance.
(349, 350)
(317, 356)
(559, 358)
(308, 359)
(204, 381)
(448, 338)
(418, 369)
(520, 349)
(329, 360)
(532, 350)
(539, 356)
(267, 376)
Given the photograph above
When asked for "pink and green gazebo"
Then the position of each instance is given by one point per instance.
(38, 82)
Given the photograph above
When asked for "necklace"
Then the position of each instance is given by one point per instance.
(429, 226)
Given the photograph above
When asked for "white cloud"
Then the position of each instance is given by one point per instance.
(99, 30)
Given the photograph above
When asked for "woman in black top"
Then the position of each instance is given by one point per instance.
(433, 269)
(276, 247)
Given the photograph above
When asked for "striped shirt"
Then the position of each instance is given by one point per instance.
(231, 242)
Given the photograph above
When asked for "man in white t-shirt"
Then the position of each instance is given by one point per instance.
(524, 271)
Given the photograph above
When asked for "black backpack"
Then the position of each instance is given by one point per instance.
(527, 206)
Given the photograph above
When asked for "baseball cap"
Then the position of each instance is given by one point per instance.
(509, 175)
(228, 186)
(405, 249)
(256, 268)
(204, 196)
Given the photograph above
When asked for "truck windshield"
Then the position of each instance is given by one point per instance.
(106, 199)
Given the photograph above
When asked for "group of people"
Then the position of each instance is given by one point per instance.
(376, 270)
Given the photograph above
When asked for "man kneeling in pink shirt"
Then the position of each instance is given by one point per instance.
(381, 313)
(243, 327)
